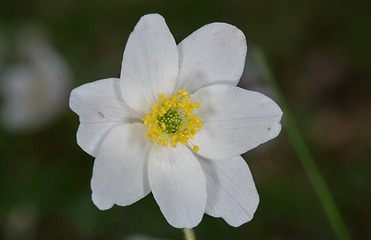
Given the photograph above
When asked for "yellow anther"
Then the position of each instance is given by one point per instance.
(197, 128)
(190, 123)
(155, 107)
(192, 105)
(184, 140)
(196, 148)
(174, 138)
(172, 120)
(173, 98)
(162, 111)
(185, 131)
(173, 143)
(188, 112)
(165, 101)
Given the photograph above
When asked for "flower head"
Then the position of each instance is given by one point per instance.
(175, 124)
(35, 89)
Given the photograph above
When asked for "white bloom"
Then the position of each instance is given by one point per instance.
(35, 90)
(208, 65)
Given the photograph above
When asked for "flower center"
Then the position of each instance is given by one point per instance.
(171, 120)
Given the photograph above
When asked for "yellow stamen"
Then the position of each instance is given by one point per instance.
(171, 120)
(196, 148)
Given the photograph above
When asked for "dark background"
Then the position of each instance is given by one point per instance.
(319, 52)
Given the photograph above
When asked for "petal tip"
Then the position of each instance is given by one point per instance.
(232, 31)
(151, 17)
(100, 203)
(274, 130)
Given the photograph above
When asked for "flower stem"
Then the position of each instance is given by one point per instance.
(189, 234)
(304, 155)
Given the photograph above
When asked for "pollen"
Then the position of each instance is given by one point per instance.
(171, 120)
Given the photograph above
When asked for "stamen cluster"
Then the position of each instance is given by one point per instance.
(171, 120)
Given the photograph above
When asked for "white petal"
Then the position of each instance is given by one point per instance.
(235, 121)
(120, 169)
(214, 54)
(178, 185)
(100, 107)
(150, 64)
(231, 191)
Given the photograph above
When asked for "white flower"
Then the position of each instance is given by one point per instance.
(202, 73)
(36, 89)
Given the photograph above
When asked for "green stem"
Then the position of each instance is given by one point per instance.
(189, 234)
(304, 155)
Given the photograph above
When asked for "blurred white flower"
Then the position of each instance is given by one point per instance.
(196, 125)
(36, 89)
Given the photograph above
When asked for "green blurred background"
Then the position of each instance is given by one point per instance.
(319, 52)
